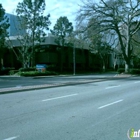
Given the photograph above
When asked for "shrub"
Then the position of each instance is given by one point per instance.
(36, 73)
(12, 72)
(135, 71)
(120, 70)
(27, 69)
(132, 71)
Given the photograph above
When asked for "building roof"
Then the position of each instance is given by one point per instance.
(15, 41)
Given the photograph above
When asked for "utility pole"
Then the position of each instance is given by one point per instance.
(74, 63)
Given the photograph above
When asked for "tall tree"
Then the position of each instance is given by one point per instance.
(4, 25)
(101, 48)
(136, 50)
(118, 16)
(31, 15)
(62, 29)
(97, 43)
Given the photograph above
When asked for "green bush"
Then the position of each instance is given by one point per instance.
(135, 71)
(36, 73)
(132, 71)
(121, 70)
(12, 72)
(27, 69)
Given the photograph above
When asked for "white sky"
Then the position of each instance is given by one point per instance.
(56, 8)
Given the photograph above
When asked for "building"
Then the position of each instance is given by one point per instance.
(13, 31)
(49, 53)
(15, 25)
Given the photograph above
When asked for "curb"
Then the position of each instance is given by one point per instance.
(37, 87)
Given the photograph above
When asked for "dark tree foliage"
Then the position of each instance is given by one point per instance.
(4, 25)
(36, 24)
(120, 17)
(62, 30)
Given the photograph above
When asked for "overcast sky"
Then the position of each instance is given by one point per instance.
(56, 8)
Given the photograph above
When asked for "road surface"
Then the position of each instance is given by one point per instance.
(106, 110)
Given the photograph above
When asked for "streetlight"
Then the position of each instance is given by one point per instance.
(74, 65)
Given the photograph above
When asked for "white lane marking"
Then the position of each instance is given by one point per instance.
(137, 82)
(59, 97)
(12, 138)
(110, 104)
(112, 87)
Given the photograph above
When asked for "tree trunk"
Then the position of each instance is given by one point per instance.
(61, 60)
(104, 68)
(127, 64)
(127, 67)
(33, 56)
(74, 63)
(1, 63)
(103, 63)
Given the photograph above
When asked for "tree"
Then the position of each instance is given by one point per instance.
(4, 25)
(136, 50)
(62, 29)
(31, 15)
(22, 52)
(101, 48)
(98, 43)
(115, 16)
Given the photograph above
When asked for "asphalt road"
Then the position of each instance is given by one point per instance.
(95, 111)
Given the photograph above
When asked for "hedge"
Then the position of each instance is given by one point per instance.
(36, 73)
(12, 72)
(121, 70)
(132, 71)
(135, 71)
(27, 69)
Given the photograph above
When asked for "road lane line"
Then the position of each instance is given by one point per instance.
(110, 104)
(12, 138)
(59, 97)
(112, 87)
(137, 82)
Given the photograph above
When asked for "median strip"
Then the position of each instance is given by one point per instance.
(59, 97)
(110, 104)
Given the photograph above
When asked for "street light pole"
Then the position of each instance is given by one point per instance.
(74, 65)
